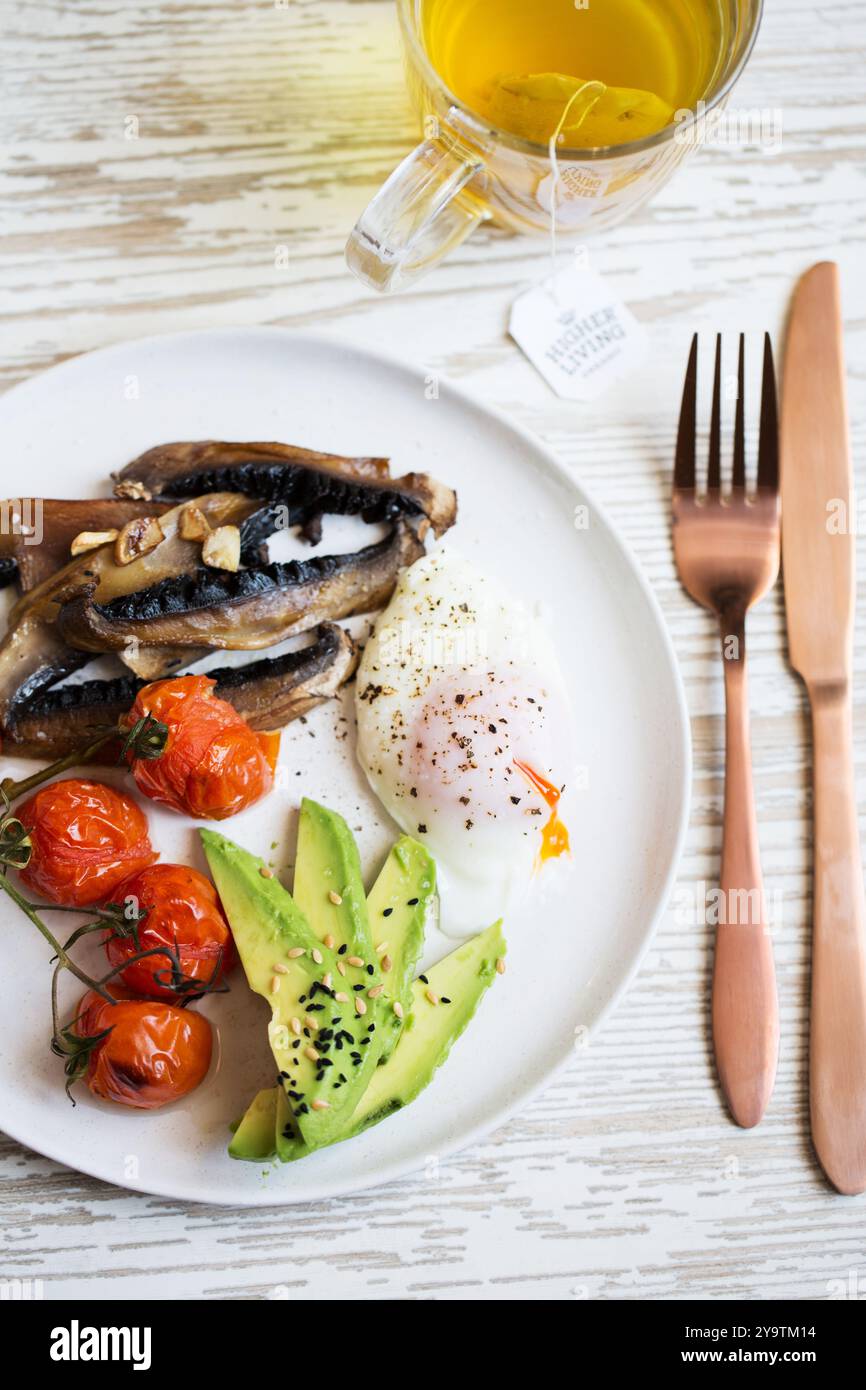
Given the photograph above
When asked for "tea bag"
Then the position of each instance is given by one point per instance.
(546, 105)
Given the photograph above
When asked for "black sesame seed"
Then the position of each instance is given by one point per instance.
(342, 1077)
(371, 1028)
(423, 979)
(443, 999)
(356, 988)
(342, 950)
(387, 912)
(370, 970)
(413, 902)
(422, 830)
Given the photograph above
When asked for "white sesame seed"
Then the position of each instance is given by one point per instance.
(275, 984)
(354, 960)
(383, 946)
(432, 996)
(375, 991)
(320, 1105)
(341, 967)
(311, 1053)
(281, 969)
(398, 1008)
(341, 998)
(387, 964)
(500, 966)
(296, 1027)
(311, 1024)
(265, 872)
(326, 979)
(335, 898)
(317, 956)
(330, 941)
(296, 951)
(360, 1006)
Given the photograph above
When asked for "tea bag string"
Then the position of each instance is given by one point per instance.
(597, 94)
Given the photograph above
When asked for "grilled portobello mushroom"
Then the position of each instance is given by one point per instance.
(245, 610)
(61, 520)
(34, 654)
(269, 694)
(305, 485)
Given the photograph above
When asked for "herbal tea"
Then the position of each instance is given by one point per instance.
(604, 73)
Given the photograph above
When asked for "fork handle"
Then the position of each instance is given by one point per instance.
(837, 1056)
(745, 1004)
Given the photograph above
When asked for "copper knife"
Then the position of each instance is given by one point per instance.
(818, 557)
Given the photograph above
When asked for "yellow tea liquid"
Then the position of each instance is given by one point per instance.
(603, 74)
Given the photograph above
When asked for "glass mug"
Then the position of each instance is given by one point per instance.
(466, 171)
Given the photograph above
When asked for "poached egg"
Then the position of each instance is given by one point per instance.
(464, 734)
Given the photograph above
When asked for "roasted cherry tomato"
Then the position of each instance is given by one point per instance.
(183, 912)
(87, 838)
(213, 764)
(154, 1054)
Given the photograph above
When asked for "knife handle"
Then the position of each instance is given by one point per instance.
(745, 1004)
(837, 1062)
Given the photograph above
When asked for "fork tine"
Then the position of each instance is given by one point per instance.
(768, 442)
(684, 459)
(714, 466)
(738, 476)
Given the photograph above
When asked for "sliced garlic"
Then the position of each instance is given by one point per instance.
(193, 524)
(138, 537)
(89, 540)
(222, 548)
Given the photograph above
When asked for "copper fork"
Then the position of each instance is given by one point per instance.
(726, 546)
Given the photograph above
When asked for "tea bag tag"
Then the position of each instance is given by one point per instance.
(579, 336)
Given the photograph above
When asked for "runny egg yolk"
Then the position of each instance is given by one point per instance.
(554, 835)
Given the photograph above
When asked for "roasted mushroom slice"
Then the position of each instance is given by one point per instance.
(246, 610)
(33, 654)
(268, 693)
(303, 485)
(60, 520)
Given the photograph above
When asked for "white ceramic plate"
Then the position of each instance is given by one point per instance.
(571, 956)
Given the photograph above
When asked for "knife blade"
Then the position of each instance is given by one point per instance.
(818, 555)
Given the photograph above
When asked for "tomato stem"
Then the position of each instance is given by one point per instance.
(12, 789)
(146, 739)
(63, 959)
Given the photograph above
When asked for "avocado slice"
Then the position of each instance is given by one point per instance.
(328, 889)
(326, 1040)
(398, 907)
(254, 1137)
(328, 886)
(399, 902)
(430, 1031)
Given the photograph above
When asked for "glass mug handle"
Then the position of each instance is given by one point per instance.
(430, 203)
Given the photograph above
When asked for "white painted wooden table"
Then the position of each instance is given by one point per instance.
(262, 125)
